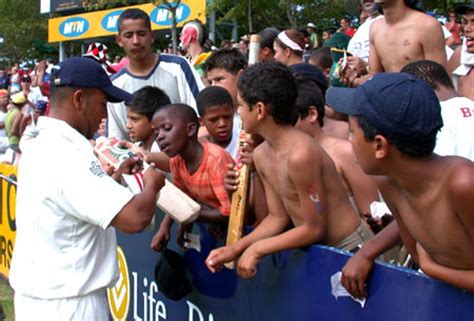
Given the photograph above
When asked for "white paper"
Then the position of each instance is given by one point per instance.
(379, 209)
(193, 241)
(338, 290)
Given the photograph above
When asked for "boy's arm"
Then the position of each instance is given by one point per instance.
(433, 42)
(461, 194)
(210, 215)
(275, 222)
(358, 267)
(310, 217)
(375, 65)
(362, 186)
(160, 159)
(312, 227)
(461, 278)
(162, 236)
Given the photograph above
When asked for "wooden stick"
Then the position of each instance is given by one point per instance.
(238, 211)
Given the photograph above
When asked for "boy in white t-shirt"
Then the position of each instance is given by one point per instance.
(455, 138)
(216, 112)
(140, 110)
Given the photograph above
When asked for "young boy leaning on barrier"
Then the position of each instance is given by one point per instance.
(198, 168)
(394, 119)
(301, 183)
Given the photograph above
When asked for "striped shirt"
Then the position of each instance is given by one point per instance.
(173, 74)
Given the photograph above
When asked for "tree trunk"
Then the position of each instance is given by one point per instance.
(249, 13)
(174, 29)
(174, 23)
(291, 15)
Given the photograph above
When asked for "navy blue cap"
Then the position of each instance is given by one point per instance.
(310, 72)
(398, 104)
(87, 73)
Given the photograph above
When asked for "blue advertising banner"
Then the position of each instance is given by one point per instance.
(292, 285)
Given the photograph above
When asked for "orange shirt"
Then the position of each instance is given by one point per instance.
(206, 185)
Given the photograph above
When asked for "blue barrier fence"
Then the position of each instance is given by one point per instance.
(292, 285)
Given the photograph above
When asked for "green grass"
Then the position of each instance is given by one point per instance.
(6, 299)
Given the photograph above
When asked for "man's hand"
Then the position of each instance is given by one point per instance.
(355, 273)
(247, 264)
(129, 166)
(218, 257)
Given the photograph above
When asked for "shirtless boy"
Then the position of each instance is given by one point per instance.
(310, 106)
(404, 35)
(414, 36)
(298, 195)
(394, 119)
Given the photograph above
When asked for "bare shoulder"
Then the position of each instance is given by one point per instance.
(377, 27)
(340, 146)
(260, 156)
(306, 149)
(260, 150)
(377, 24)
(460, 176)
(425, 21)
(386, 185)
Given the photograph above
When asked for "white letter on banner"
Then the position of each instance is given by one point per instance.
(193, 308)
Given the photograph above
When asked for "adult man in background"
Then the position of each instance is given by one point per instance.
(462, 61)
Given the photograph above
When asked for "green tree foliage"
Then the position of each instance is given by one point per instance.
(24, 31)
(278, 13)
(255, 15)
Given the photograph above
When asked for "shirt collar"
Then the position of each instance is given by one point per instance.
(60, 128)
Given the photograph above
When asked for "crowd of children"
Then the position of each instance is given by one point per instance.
(312, 182)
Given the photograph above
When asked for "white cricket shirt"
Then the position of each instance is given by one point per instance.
(65, 202)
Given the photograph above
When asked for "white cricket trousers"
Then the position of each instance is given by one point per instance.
(91, 307)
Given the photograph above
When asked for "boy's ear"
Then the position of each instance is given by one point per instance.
(261, 110)
(201, 122)
(118, 40)
(313, 114)
(192, 129)
(381, 147)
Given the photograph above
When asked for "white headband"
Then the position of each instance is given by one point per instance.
(288, 42)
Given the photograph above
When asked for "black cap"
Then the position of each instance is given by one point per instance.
(87, 73)
(462, 9)
(312, 73)
(170, 275)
